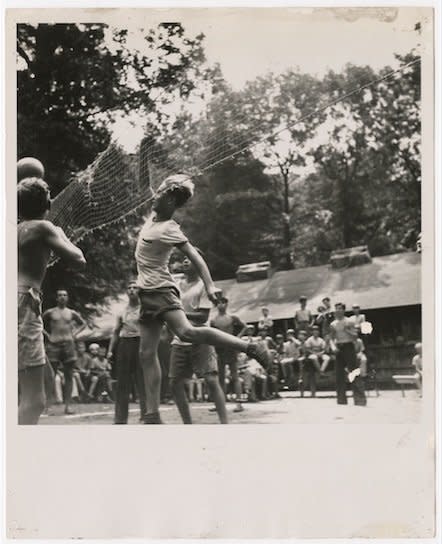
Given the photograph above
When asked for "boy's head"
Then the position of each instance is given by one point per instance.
(339, 309)
(173, 193)
(290, 333)
(250, 330)
(187, 265)
(321, 309)
(62, 297)
(93, 349)
(302, 335)
(132, 290)
(81, 348)
(418, 348)
(326, 302)
(265, 311)
(315, 331)
(33, 198)
(222, 304)
(279, 338)
(356, 309)
(263, 334)
(303, 301)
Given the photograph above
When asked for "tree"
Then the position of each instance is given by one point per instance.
(273, 106)
(73, 81)
(367, 140)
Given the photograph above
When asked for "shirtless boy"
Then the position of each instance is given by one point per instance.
(62, 325)
(37, 237)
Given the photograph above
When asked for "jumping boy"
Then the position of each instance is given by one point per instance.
(37, 237)
(159, 295)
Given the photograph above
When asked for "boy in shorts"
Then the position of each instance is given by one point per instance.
(159, 295)
(37, 238)
(187, 359)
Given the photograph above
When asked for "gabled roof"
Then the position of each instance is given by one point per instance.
(393, 280)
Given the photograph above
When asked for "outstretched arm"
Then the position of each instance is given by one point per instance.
(203, 271)
(59, 243)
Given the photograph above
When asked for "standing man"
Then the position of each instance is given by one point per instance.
(36, 237)
(126, 342)
(343, 334)
(187, 358)
(303, 316)
(226, 356)
(62, 325)
(266, 321)
(357, 317)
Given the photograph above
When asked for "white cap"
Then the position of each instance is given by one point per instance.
(177, 181)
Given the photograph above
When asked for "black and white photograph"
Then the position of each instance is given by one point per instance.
(219, 220)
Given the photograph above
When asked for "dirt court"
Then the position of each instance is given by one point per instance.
(388, 407)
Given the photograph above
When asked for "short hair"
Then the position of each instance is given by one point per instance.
(180, 194)
(290, 331)
(132, 282)
(326, 299)
(321, 308)
(418, 345)
(315, 328)
(61, 289)
(340, 305)
(303, 297)
(33, 198)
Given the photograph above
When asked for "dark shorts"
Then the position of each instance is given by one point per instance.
(61, 352)
(228, 357)
(31, 350)
(155, 302)
(197, 358)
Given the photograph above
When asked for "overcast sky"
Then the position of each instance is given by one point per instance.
(313, 40)
(248, 43)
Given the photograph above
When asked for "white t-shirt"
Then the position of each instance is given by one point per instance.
(315, 345)
(193, 298)
(154, 247)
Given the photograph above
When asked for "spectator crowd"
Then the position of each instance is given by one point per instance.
(318, 343)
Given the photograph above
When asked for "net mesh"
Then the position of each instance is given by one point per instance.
(117, 183)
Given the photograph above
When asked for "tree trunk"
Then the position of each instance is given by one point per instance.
(287, 237)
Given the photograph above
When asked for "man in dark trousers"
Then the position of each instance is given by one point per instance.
(343, 334)
(126, 340)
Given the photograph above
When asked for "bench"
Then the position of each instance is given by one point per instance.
(405, 379)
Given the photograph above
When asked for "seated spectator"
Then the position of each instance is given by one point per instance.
(288, 358)
(315, 348)
(260, 379)
(247, 375)
(101, 379)
(82, 369)
(417, 363)
(266, 321)
(249, 334)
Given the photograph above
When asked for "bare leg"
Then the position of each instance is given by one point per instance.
(218, 397)
(32, 395)
(179, 394)
(149, 340)
(94, 381)
(180, 325)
